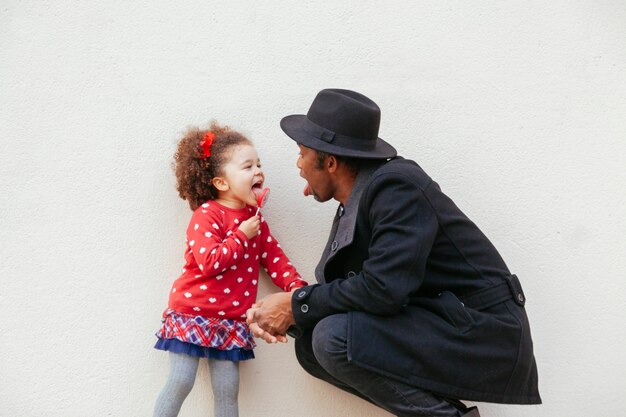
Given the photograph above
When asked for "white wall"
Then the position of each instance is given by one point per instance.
(517, 109)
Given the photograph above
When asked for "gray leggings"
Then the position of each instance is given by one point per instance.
(183, 368)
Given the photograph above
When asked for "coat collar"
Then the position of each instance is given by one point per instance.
(342, 231)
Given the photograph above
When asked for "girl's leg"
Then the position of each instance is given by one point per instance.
(225, 383)
(183, 370)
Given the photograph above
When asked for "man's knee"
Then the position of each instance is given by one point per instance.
(329, 342)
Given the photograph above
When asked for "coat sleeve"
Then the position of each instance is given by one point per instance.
(403, 229)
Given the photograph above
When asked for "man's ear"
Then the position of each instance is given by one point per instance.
(220, 183)
(331, 164)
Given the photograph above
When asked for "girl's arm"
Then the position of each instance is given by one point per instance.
(276, 263)
(214, 248)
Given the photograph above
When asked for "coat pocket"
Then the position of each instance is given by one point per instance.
(450, 309)
(456, 312)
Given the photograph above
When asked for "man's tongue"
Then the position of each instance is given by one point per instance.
(307, 190)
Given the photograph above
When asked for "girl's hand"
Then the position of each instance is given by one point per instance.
(251, 226)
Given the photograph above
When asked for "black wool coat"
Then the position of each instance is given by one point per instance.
(429, 299)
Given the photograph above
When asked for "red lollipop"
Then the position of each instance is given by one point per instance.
(261, 197)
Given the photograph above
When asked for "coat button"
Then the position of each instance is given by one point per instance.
(351, 274)
(334, 245)
(304, 308)
(520, 297)
(301, 294)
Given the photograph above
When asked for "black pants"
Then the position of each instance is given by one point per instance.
(323, 353)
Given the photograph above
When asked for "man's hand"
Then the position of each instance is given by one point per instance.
(270, 317)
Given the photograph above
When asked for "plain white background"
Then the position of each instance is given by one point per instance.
(517, 109)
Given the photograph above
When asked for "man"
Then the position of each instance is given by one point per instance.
(415, 309)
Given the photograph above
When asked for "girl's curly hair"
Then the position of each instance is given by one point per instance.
(193, 173)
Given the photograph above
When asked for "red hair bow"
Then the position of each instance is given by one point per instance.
(206, 144)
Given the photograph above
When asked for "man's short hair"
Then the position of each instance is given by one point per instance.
(352, 164)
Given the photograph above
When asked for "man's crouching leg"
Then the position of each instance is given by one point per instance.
(330, 363)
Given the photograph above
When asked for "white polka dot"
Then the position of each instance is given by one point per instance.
(256, 257)
(250, 269)
(289, 263)
(204, 211)
(264, 255)
(201, 267)
(229, 233)
(269, 238)
(216, 265)
(202, 249)
(219, 277)
(238, 241)
(198, 276)
(276, 259)
(173, 289)
(236, 221)
(234, 255)
(187, 295)
(212, 299)
(273, 275)
(196, 309)
(184, 270)
(246, 256)
(286, 274)
(254, 281)
(208, 234)
(221, 313)
(233, 267)
(224, 250)
(245, 244)
(243, 315)
(239, 279)
(254, 245)
(246, 293)
(215, 226)
(259, 232)
(235, 303)
(205, 205)
(196, 226)
(191, 242)
(278, 245)
(203, 287)
(213, 251)
(227, 290)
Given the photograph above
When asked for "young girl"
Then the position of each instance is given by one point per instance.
(219, 173)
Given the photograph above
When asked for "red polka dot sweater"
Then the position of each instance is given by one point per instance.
(221, 269)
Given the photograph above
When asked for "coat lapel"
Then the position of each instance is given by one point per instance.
(342, 231)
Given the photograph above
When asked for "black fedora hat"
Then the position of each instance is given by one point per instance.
(340, 122)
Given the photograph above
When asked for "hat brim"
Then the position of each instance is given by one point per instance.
(293, 126)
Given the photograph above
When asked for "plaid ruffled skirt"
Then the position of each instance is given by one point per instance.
(205, 337)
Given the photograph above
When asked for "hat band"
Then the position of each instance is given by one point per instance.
(337, 139)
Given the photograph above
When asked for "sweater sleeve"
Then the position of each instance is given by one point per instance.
(403, 229)
(214, 248)
(276, 263)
